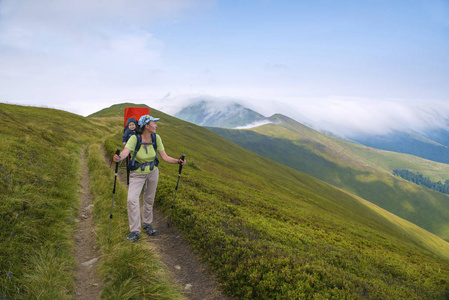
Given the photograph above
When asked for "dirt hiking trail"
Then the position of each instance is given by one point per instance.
(184, 265)
(88, 284)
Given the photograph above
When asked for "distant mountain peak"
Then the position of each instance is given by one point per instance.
(219, 114)
(278, 118)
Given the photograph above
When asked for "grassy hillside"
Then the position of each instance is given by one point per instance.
(39, 176)
(267, 230)
(270, 231)
(414, 143)
(39, 201)
(355, 153)
(363, 171)
(116, 110)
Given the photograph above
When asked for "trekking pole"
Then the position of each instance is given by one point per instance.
(176, 189)
(113, 193)
(127, 169)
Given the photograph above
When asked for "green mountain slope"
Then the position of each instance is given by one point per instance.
(361, 155)
(116, 110)
(270, 231)
(363, 171)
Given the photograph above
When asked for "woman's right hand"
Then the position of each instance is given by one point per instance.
(121, 156)
(116, 158)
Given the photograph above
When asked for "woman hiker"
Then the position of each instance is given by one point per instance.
(147, 173)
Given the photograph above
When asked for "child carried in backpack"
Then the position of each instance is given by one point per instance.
(129, 130)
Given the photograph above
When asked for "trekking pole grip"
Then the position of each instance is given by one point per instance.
(116, 164)
(180, 165)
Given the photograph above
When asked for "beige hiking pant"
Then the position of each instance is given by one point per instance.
(136, 183)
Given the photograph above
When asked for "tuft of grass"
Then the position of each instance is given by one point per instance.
(52, 275)
(133, 272)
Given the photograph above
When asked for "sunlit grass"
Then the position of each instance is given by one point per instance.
(52, 275)
(39, 192)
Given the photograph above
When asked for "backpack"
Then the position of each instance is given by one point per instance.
(134, 165)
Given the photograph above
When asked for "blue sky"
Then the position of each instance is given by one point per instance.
(380, 64)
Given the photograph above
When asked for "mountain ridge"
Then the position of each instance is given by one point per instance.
(410, 143)
(431, 144)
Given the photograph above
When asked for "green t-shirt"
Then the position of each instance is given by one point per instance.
(146, 152)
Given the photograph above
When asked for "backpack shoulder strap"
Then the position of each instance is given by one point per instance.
(154, 142)
(138, 143)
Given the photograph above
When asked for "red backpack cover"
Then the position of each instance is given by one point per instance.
(136, 113)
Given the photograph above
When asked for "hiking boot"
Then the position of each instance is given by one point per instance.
(148, 229)
(133, 237)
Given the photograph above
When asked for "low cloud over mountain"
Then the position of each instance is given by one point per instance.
(416, 128)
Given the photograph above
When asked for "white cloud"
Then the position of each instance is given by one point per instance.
(173, 102)
(54, 51)
(85, 55)
(255, 124)
(349, 117)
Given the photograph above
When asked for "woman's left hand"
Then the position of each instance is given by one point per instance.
(183, 162)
